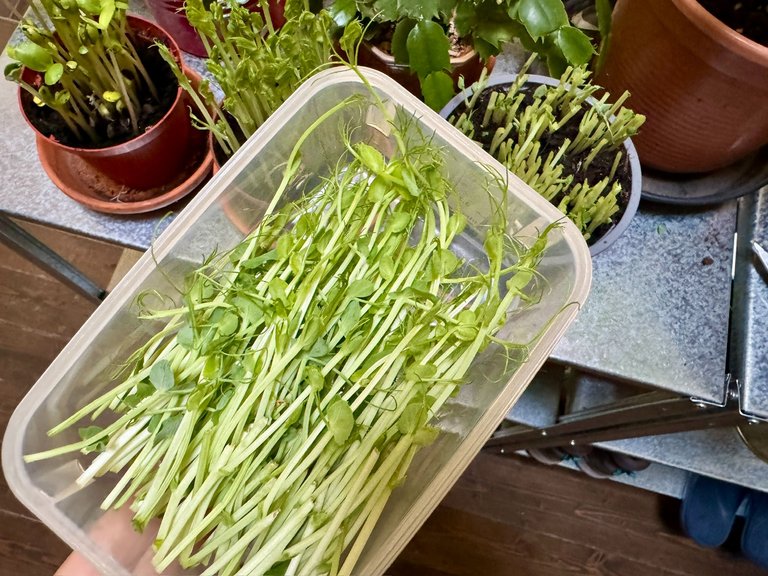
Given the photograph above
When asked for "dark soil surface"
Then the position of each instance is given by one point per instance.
(747, 17)
(50, 123)
(599, 168)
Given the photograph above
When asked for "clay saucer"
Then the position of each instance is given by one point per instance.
(83, 183)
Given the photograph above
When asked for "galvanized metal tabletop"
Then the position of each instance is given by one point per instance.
(750, 353)
(658, 314)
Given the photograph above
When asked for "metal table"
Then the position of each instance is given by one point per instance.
(658, 316)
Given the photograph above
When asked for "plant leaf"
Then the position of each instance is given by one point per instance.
(575, 45)
(424, 9)
(413, 417)
(387, 10)
(161, 375)
(168, 427)
(228, 324)
(349, 318)
(31, 55)
(12, 71)
(360, 289)
(54, 73)
(400, 39)
(343, 11)
(340, 420)
(437, 89)
(90, 7)
(428, 48)
(106, 13)
(111, 96)
(540, 17)
(89, 432)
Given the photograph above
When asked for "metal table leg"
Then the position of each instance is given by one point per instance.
(24, 243)
(645, 414)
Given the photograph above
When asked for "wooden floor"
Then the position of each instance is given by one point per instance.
(506, 516)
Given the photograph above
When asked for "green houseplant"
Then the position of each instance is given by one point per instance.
(92, 84)
(563, 142)
(421, 36)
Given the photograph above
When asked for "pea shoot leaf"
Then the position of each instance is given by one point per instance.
(168, 427)
(414, 416)
(340, 420)
(88, 432)
(361, 288)
(349, 318)
(186, 337)
(161, 375)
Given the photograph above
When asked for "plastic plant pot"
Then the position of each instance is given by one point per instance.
(147, 161)
(494, 383)
(597, 244)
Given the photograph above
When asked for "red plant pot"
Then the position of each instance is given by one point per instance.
(171, 15)
(702, 86)
(146, 161)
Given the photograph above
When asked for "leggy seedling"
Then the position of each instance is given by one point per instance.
(255, 66)
(93, 74)
(550, 136)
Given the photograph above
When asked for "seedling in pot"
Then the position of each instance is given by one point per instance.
(562, 141)
(93, 71)
(256, 66)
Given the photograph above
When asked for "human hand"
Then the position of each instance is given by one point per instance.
(114, 534)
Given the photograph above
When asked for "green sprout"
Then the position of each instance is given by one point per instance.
(279, 405)
(525, 129)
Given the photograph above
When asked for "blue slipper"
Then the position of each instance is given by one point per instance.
(709, 509)
(754, 538)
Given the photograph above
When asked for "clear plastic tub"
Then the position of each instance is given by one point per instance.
(220, 215)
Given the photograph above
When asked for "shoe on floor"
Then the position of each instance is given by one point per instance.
(754, 538)
(709, 509)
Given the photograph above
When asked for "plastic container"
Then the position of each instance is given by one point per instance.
(81, 372)
(635, 192)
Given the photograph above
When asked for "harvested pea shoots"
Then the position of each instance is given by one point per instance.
(270, 419)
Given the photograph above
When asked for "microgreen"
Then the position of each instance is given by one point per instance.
(268, 422)
(94, 78)
(255, 65)
(524, 128)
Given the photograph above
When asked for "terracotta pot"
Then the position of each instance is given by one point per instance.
(147, 161)
(84, 183)
(702, 86)
(597, 243)
(470, 66)
(170, 14)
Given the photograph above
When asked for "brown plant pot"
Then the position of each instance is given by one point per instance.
(150, 160)
(702, 86)
(470, 66)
